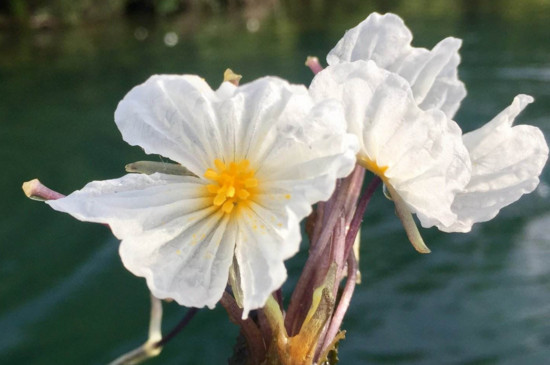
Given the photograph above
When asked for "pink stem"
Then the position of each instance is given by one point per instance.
(301, 296)
(320, 211)
(355, 224)
(343, 304)
(34, 189)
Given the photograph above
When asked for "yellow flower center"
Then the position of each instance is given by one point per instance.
(233, 184)
(372, 166)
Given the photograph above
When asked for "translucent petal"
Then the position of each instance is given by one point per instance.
(421, 151)
(386, 40)
(506, 163)
(173, 116)
(170, 233)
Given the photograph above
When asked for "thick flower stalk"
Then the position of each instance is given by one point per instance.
(258, 156)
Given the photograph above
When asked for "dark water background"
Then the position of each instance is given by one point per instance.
(480, 298)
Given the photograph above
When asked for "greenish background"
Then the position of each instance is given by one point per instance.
(479, 298)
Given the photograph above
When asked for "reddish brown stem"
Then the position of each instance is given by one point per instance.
(250, 330)
(179, 327)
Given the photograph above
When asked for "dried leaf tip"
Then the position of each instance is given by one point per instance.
(231, 77)
(150, 167)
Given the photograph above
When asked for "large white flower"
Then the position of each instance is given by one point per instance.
(418, 154)
(506, 163)
(386, 40)
(262, 154)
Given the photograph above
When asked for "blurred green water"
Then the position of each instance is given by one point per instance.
(480, 298)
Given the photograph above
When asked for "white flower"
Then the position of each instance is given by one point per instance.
(506, 163)
(262, 154)
(418, 154)
(386, 40)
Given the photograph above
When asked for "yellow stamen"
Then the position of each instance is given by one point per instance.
(213, 189)
(243, 194)
(228, 206)
(372, 166)
(251, 183)
(211, 174)
(230, 191)
(233, 183)
(219, 199)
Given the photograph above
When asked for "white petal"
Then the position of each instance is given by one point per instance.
(254, 114)
(309, 154)
(427, 163)
(506, 163)
(173, 116)
(170, 233)
(380, 38)
(226, 90)
(192, 268)
(386, 40)
(433, 76)
(263, 243)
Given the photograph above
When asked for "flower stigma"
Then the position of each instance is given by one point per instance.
(233, 184)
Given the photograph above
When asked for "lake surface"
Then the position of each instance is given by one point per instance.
(479, 298)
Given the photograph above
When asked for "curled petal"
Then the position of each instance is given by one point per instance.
(386, 40)
(506, 163)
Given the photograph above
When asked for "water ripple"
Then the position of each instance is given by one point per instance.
(36, 309)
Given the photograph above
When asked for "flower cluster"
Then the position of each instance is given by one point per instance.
(251, 160)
